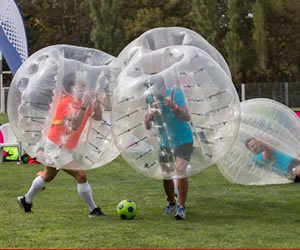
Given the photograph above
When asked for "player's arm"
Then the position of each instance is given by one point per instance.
(97, 111)
(180, 112)
(148, 118)
(78, 116)
(267, 151)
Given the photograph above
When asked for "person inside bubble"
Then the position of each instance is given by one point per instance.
(279, 162)
(74, 108)
(168, 112)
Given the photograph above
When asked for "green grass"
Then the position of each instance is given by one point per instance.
(296, 109)
(3, 118)
(219, 214)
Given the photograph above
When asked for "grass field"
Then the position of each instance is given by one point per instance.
(219, 214)
(3, 118)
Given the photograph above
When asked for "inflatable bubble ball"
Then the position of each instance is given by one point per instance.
(163, 37)
(173, 101)
(267, 148)
(59, 106)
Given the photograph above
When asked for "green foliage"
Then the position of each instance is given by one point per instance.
(145, 19)
(259, 39)
(233, 43)
(106, 33)
(50, 22)
(259, 35)
(3, 118)
(219, 214)
(206, 20)
(149, 14)
(282, 24)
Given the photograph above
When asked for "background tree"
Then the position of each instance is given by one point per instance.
(149, 14)
(233, 43)
(282, 26)
(206, 19)
(106, 33)
(238, 41)
(260, 38)
(256, 37)
(50, 22)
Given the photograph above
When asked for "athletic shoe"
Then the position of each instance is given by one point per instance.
(170, 209)
(23, 204)
(180, 214)
(96, 212)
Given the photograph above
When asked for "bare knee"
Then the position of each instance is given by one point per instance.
(78, 175)
(81, 177)
(298, 171)
(49, 174)
(181, 166)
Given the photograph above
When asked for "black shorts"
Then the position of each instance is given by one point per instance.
(183, 151)
(297, 179)
(290, 172)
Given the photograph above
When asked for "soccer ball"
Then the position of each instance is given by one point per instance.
(126, 209)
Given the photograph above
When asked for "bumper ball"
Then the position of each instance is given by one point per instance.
(53, 87)
(267, 147)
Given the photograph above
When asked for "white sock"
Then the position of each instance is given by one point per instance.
(85, 192)
(37, 184)
(176, 187)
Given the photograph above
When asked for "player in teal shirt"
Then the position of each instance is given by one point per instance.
(171, 117)
(280, 162)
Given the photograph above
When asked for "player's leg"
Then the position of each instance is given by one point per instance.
(85, 191)
(183, 155)
(297, 172)
(181, 166)
(37, 185)
(171, 207)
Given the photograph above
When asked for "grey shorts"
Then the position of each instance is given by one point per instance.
(183, 151)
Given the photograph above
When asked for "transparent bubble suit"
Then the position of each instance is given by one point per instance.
(275, 127)
(208, 92)
(37, 88)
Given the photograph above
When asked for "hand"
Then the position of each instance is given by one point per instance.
(149, 116)
(169, 103)
(88, 98)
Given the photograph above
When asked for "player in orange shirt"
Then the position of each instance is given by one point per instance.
(72, 113)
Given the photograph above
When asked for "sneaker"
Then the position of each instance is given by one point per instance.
(171, 209)
(96, 212)
(23, 204)
(180, 213)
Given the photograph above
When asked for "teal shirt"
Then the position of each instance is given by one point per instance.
(176, 131)
(280, 162)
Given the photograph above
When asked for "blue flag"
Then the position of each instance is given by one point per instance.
(13, 42)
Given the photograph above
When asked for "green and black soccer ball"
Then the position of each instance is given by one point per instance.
(126, 209)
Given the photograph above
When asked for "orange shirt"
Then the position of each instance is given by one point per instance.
(58, 132)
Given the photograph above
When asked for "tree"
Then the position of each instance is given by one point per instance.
(50, 22)
(233, 43)
(259, 37)
(149, 14)
(206, 19)
(282, 25)
(106, 33)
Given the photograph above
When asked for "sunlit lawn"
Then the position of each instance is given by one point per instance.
(219, 214)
